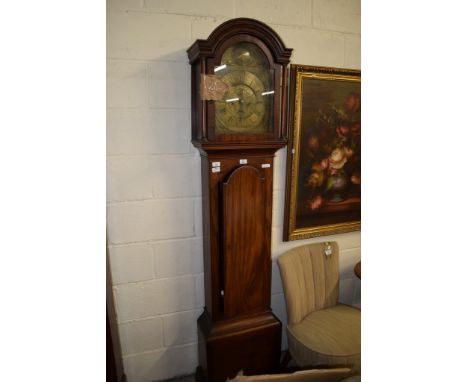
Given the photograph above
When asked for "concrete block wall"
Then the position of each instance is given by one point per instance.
(153, 172)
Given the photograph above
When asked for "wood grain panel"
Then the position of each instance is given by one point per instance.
(245, 267)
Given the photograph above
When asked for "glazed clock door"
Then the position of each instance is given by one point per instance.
(246, 281)
(246, 109)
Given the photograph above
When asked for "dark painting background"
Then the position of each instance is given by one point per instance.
(330, 120)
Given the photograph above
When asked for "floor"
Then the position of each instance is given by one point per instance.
(191, 378)
(188, 378)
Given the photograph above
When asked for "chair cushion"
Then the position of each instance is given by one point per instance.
(330, 336)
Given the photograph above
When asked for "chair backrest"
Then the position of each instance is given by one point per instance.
(310, 279)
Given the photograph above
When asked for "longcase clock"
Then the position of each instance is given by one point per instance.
(239, 97)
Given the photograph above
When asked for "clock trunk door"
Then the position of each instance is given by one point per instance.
(245, 260)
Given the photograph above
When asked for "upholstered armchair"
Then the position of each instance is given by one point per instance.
(320, 330)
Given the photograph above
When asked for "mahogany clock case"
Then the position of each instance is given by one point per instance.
(237, 330)
(206, 55)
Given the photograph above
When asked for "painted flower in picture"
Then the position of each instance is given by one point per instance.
(333, 145)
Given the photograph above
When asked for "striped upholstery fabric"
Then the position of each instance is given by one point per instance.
(320, 331)
(330, 336)
(310, 279)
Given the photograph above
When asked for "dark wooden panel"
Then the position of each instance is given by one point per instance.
(213, 220)
(210, 277)
(251, 344)
(244, 230)
(255, 352)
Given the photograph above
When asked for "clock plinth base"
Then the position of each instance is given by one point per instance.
(251, 343)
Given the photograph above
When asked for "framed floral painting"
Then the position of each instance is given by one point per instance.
(323, 194)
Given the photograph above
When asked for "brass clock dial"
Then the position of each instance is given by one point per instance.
(247, 104)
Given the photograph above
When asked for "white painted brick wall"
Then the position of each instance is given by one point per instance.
(154, 297)
(124, 5)
(292, 12)
(203, 26)
(200, 291)
(140, 131)
(169, 85)
(177, 258)
(127, 178)
(180, 328)
(147, 36)
(141, 335)
(150, 220)
(173, 176)
(316, 47)
(353, 51)
(127, 84)
(161, 364)
(338, 15)
(131, 263)
(189, 7)
(153, 172)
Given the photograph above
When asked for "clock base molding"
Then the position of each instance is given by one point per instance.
(251, 344)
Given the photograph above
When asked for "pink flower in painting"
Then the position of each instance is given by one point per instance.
(348, 152)
(356, 129)
(353, 102)
(356, 178)
(316, 203)
(343, 131)
(313, 142)
(315, 179)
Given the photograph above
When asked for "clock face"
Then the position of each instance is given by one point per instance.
(247, 105)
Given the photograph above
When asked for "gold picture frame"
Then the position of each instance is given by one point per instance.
(323, 178)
